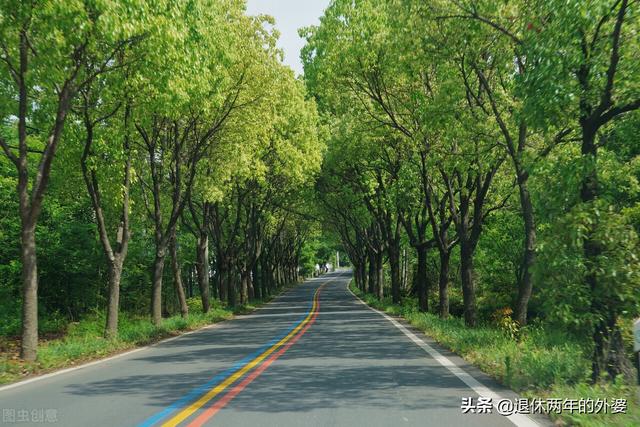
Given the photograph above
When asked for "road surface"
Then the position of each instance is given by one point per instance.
(315, 356)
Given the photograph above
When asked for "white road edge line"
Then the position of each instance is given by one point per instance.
(106, 359)
(126, 353)
(519, 420)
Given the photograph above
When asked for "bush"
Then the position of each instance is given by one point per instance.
(194, 304)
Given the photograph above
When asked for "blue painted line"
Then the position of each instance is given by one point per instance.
(194, 394)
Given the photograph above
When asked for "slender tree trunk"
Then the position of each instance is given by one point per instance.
(252, 293)
(394, 264)
(380, 275)
(113, 305)
(357, 274)
(592, 250)
(468, 285)
(405, 269)
(29, 345)
(202, 270)
(422, 280)
(443, 284)
(223, 276)
(231, 286)
(373, 275)
(177, 277)
(244, 286)
(363, 274)
(156, 291)
(257, 283)
(264, 277)
(526, 285)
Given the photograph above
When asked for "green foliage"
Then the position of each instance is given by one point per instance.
(427, 101)
(544, 362)
(84, 340)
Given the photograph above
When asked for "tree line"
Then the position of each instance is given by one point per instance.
(499, 142)
(139, 135)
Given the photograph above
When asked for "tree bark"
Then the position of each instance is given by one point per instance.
(422, 280)
(177, 277)
(202, 269)
(468, 283)
(223, 277)
(256, 282)
(363, 274)
(443, 285)
(373, 275)
(379, 276)
(526, 285)
(156, 290)
(244, 286)
(608, 353)
(231, 286)
(113, 304)
(29, 346)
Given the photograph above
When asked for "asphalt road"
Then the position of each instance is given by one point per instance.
(294, 362)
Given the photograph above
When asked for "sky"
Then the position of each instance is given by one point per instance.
(290, 15)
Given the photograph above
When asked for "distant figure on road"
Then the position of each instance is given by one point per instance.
(323, 268)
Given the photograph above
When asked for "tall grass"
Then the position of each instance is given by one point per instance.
(84, 340)
(541, 362)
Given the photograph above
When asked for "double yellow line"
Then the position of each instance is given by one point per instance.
(187, 411)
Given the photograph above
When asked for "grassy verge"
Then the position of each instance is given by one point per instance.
(541, 363)
(83, 341)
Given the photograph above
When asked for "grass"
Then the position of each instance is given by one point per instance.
(83, 341)
(541, 363)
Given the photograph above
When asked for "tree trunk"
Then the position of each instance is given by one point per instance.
(380, 275)
(363, 274)
(231, 286)
(443, 284)
(244, 286)
(257, 283)
(394, 264)
(373, 275)
(405, 269)
(251, 290)
(177, 277)
(156, 292)
(592, 250)
(29, 345)
(526, 285)
(264, 277)
(202, 269)
(422, 280)
(113, 305)
(223, 278)
(356, 276)
(608, 352)
(468, 285)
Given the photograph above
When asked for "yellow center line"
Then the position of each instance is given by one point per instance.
(193, 407)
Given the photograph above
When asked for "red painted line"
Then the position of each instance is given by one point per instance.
(212, 410)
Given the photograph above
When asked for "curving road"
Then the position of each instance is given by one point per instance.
(315, 356)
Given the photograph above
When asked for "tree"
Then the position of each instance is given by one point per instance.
(41, 77)
(596, 88)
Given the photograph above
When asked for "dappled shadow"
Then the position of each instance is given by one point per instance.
(338, 361)
(348, 360)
